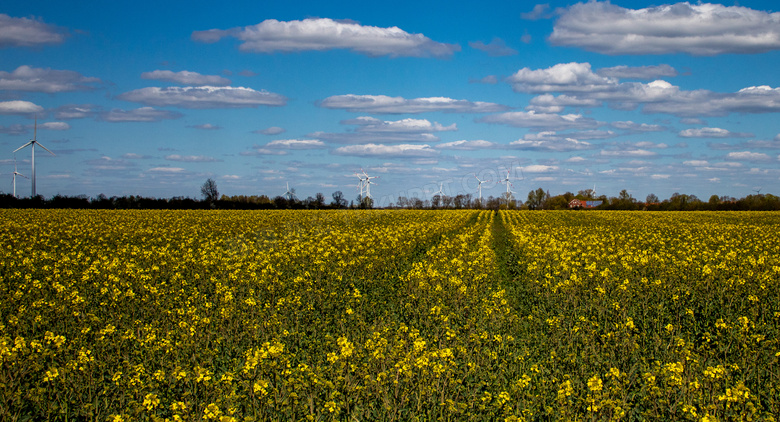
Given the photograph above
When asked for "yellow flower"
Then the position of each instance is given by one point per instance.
(594, 383)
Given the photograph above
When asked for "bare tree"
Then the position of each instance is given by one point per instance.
(209, 190)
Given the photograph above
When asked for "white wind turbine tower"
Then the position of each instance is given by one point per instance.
(440, 192)
(33, 142)
(361, 187)
(479, 186)
(367, 182)
(16, 173)
(508, 184)
(290, 194)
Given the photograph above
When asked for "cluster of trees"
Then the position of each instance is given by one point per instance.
(538, 199)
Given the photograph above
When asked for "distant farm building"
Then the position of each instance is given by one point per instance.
(579, 203)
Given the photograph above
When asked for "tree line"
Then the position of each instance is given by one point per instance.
(537, 199)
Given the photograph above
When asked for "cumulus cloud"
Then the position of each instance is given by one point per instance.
(75, 111)
(538, 168)
(203, 97)
(638, 152)
(712, 132)
(192, 158)
(185, 77)
(637, 127)
(697, 29)
(562, 77)
(273, 130)
(548, 103)
(26, 78)
(543, 121)
(390, 151)
(496, 48)
(748, 156)
(641, 72)
(754, 99)
(371, 124)
(466, 145)
(25, 32)
(549, 141)
(296, 144)
(19, 107)
(206, 126)
(54, 126)
(134, 156)
(143, 114)
(540, 11)
(371, 131)
(383, 104)
(322, 34)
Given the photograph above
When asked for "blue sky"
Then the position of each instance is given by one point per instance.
(153, 99)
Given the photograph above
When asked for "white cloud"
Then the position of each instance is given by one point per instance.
(697, 163)
(466, 145)
(640, 72)
(383, 104)
(192, 158)
(206, 126)
(134, 156)
(637, 127)
(548, 103)
(167, 170)
(544, 121)
(326, 34)
(19, 107)
(747, 156)
(698, 29)
(26, 78)
(660, 176)
(576, 160)
(54, 126)
(203, 97)
(273, 130)
(540, 11)
(549, 141)
(562, 77)
(258, 150)
(628, 153)
(295, 144)
(24, 32)
(398, 151)
(143, 114)
(496, 48)
(538, 168)
(74, 111)
(755, 99)
(370, 124)
(712, 132)
(185, 77)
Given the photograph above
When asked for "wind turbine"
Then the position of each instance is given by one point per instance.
(480, 182)
(290, 194)
(508, 184)
(16, 173)
(33, 142)
(367, 182)
(361, 183)
(440, 192)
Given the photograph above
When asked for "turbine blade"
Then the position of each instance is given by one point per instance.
(47, 149)
(17, 149)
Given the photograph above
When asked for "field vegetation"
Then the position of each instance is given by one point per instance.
(388, 315)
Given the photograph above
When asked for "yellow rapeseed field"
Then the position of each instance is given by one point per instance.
(388, 315)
